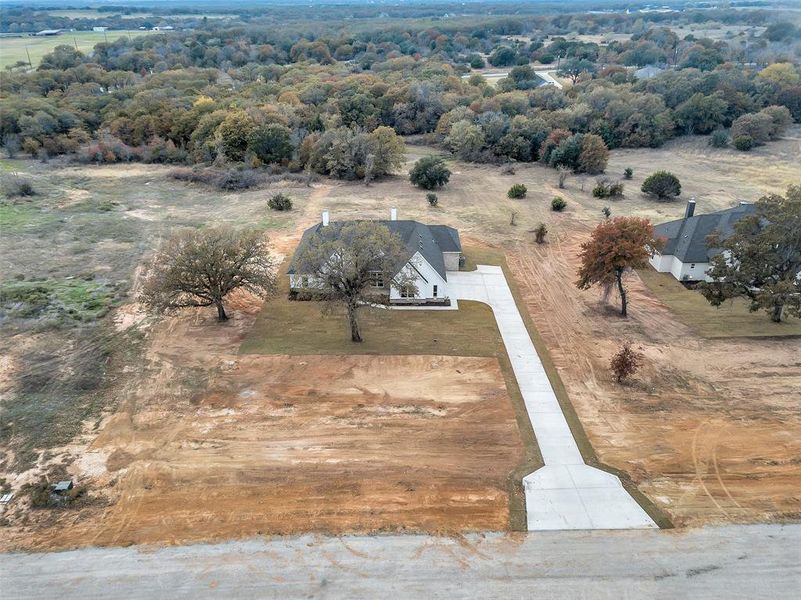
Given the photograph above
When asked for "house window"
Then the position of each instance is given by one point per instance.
(434, 293)
(407, 291)
(377, 279)
(304, 281)
(692, 266)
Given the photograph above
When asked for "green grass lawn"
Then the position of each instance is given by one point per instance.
(732, 319)
(297, 327)
(12, 49)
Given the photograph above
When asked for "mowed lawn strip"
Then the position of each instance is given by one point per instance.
(300, 328)
(731, 319)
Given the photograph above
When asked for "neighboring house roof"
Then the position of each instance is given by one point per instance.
(648, 72)
(429, 240)
(686, 238)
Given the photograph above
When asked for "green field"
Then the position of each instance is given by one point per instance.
(12, 49)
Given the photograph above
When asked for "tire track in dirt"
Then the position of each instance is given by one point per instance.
(700, 476)
(717, 466)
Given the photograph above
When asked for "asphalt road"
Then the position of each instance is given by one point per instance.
(761, 561)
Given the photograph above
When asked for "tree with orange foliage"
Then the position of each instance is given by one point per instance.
(615, 247)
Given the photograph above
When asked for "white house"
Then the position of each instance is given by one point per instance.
(648, 72)
(433, 251)
(686, 254)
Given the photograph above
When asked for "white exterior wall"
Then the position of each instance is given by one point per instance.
(425, 277)
(667, 263)
(661, 262)
(682, 271)
(425, 287)
(689, 271)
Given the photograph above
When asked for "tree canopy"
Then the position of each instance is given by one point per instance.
(615, 247)
(761, 261)
(201, 267)
(343, 260)
(430, 172)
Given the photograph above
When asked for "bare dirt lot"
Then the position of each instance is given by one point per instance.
(218, 445)
(710, 430)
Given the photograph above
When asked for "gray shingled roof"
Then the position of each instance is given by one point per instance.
(686, 238)
(430, 240)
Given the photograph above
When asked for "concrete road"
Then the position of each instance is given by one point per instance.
(732, 562)
(565, 493)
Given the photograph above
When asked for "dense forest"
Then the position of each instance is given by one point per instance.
(333, 97)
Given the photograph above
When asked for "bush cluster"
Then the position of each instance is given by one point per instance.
(280, 202)
(518, 190)
(605, 188)
(226, 180)
(719, 138)
(558, 204)
(430, 172)
(109, 149)
(662, 185)
(15, 186)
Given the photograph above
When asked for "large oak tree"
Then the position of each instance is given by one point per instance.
(344, 260)
(200, 267)
(761, 261)
(615, 247)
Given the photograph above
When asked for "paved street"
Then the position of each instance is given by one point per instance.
(762, 561)
(566, 493)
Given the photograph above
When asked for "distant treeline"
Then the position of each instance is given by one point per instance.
(333, 98)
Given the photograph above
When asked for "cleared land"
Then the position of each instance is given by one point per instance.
(13, 49)
(709, 431)
(284, 444)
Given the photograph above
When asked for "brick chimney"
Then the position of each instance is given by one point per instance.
(393, 214)
(325, 218)
(690, 210)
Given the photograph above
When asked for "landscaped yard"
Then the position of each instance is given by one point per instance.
(732, 319)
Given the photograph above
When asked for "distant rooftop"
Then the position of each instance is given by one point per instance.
(686, 237)
(429, 240)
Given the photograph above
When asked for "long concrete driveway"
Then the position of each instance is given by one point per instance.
(566, 493)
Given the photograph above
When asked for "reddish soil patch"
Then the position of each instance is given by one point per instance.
(710, 430)
(281, 445)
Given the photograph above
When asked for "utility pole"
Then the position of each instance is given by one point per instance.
(30, 64)
(74, 39)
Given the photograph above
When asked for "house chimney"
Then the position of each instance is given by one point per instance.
(325, 218)
(393, 214)
(690, 211)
